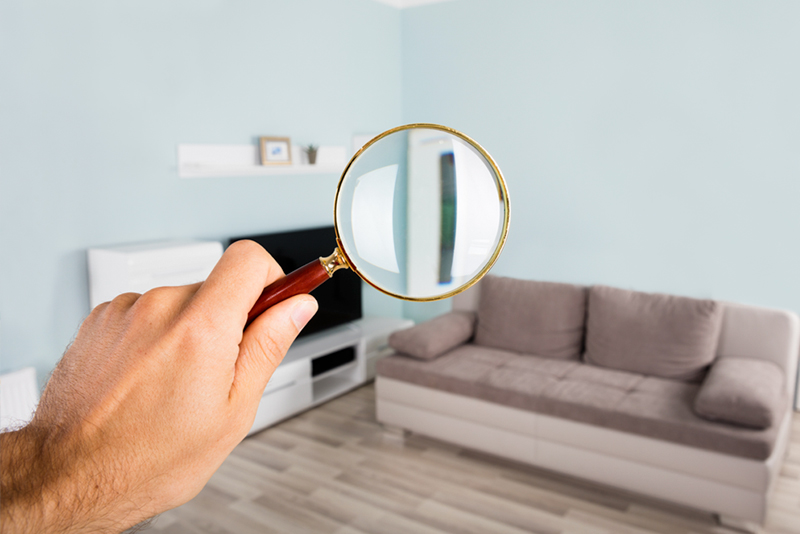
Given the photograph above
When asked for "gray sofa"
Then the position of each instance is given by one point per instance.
(683, 399)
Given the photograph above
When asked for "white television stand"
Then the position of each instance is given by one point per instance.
(324, 365)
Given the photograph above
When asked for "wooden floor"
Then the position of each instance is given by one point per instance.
(333, 469)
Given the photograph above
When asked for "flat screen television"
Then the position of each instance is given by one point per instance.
(340, 297)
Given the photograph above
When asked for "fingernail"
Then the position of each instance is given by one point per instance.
(303, 312)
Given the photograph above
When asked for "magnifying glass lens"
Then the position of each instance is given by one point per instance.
(420, 213)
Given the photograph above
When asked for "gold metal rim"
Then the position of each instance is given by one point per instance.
(503, 194)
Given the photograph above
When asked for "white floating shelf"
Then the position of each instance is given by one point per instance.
(206, 161)
(209, 171)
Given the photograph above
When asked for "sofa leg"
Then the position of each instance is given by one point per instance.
(735, 523)
(394, 433)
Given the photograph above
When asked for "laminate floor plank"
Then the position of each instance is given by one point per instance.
(544, 491)
(300, 509)
(280, 519)
(525, 518)
(355, 508)
(302, 427)
(268, 480)
(398, 479)
(326, 465)
(386, 498)
(394, 492)
(180, 528)
(232, 520)
(667, 521)
(334, 469)
(348, 529)
(458, 521)
(372, 518)
(160, 523)
(545, 498)
(537, 519)
(319, 507)
(610, 523)
(298, 445)
(346, 426)
(390, 523)
(254, 452)
(222, 481)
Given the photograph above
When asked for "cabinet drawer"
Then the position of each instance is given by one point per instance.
(278, 404)
(285, 374)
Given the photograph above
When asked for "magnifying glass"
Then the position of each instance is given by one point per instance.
(421, 214)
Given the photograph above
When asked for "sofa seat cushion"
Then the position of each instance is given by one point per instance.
(462, 371)
(649, 406)
(543, 318)
(650, 333)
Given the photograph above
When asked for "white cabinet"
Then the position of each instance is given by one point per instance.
(288, 392)
(141, 267)
(323, 366)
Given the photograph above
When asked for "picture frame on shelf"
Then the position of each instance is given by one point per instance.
(275, 150)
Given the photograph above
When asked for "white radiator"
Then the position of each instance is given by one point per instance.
(19, 395)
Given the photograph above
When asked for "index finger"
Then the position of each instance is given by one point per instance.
(237, 280)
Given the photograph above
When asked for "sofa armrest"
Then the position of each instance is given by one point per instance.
(433, 338)
(743, 391)
(763, 333)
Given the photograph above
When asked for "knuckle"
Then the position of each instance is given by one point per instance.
(112, 313)
(122, 303)
(127, 298)
(154, 300)
(98, 312)
(246, 247)
(158, 306)
(254, 252)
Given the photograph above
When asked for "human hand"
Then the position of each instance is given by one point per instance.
(154, 393)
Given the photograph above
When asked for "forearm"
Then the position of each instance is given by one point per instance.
(21, 483)
(44, 491)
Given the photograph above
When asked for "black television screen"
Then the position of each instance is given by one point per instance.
(340, 297)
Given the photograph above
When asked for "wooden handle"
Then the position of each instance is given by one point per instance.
(302, 280)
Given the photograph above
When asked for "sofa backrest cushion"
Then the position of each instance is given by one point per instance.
(650, 333)
(541, 318)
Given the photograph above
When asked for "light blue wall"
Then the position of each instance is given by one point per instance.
(95, 95)
(648, 145)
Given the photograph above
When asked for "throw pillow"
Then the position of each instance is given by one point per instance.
(540, 318)
(433, 338)
(743, 391)
(652, 334)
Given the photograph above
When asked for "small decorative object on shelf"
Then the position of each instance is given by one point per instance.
(276, 151)
(206, 161)
(311, 152)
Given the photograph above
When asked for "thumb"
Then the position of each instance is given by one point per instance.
(264, 344)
